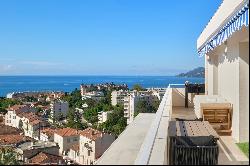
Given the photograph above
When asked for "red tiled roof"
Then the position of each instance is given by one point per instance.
(92, 134)
(45, 158)
(4, 130)
(32, 117)
(48, 131)
(65, 132)
(13, 139)
(16, 107)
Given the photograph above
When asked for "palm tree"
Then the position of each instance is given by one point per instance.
(8, 157)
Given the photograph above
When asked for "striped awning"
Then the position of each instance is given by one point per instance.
(235, 24)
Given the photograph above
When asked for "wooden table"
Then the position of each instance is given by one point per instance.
(190, 130)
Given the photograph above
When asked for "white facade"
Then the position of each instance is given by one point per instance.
(117, 97)
(92, 149)
(95, 95)
(103, 116)
(227, 67)
(74, 155)
(11, 118)
(131, 101)
(65, 142)
(59, 108)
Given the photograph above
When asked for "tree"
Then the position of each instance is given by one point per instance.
(142, 107)
(74, 120)
(138, 87)
(116, 122)
(8, 157)
(91, 114)
(5, 103)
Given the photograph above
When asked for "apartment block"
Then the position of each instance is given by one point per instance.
(93, 144)
(66, 138)
(58, 109)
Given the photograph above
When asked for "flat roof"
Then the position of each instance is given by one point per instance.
(126, 147)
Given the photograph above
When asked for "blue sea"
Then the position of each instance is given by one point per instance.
(68, 83)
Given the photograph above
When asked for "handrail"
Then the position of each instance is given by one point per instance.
(147, 146)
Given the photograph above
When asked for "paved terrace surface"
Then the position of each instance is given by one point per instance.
(126, 147)
(183, 113)
(229, 153)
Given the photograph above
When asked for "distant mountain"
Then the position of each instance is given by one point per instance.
(197, 72)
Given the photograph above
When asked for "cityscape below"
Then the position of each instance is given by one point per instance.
(109, 82)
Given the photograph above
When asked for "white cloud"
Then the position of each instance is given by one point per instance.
(6, 68)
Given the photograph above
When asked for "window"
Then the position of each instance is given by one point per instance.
(88, 152)
(75, 139)
(68, 140)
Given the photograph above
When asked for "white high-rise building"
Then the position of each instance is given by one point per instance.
(58, 108)
(117, 97)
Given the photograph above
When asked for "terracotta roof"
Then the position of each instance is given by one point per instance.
(65, 132)
(16, 107)
(92, 134)
(13, 139)
(75, 147)
(32, 117)
(48, 131)
(45, 158)
(8, 130)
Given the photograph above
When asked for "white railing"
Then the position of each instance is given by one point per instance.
(144, 154)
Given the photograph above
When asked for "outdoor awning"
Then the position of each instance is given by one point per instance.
(234, 24)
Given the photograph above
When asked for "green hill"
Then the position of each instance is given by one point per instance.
(197, 72)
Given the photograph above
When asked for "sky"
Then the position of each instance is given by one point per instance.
(101, 37)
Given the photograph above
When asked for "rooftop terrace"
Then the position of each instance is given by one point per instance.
(144, 141)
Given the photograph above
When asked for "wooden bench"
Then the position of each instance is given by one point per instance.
(219, 115)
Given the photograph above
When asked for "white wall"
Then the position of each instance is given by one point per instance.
(244, 91)
(229, 73)
(178, 97)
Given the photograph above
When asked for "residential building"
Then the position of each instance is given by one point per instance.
(93, 144)
(224, 43)
(132, 99)
(13, 140)
(95, 95)
(66, 138)
(9, 130)
(47, 134)
(158, 92)
(58, 110)
(22, 117)
(43, 158)
(117, 97)
(103, 116)
(74, 153)
(31, 124)
(28, 150)
(11, 118)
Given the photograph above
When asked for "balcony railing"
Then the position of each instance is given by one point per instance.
(157, 132)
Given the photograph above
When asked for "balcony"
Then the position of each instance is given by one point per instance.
(144, 141)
